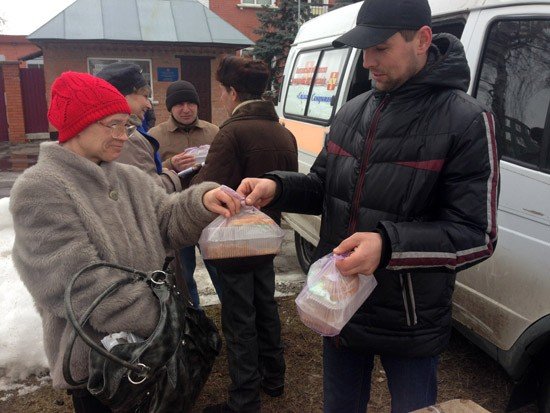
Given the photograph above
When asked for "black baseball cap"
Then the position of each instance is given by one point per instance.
(378, 20)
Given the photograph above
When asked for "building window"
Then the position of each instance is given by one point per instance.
(318, 7)
(257, 3)
(95, 64)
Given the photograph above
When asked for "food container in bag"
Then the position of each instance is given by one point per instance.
(329, 299)
(246, 234)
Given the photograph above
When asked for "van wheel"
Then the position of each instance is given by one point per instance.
(304, 252)
(544, 392)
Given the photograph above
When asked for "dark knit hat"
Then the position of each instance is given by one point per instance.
(80, 99)
(126, 77)
(179, 92)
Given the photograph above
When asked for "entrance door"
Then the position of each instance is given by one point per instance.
(33, 90)
(197, 71)
(4, 137)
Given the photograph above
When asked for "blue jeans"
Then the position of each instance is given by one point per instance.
(188, 262)
(347, 380)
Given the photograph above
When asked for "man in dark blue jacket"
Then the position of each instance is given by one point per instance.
(407, 183)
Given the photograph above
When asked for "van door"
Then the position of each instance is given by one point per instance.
(500, 298)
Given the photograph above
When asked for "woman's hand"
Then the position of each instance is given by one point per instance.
(221, 203)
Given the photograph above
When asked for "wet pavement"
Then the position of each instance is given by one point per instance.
(14, 159)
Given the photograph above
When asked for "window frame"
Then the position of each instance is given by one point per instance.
(255, 4)
(336, 97)
(89, 62)
(540, 167)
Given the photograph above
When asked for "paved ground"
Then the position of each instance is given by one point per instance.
(14, 159)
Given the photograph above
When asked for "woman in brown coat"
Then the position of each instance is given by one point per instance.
(77, 206)
(250, 143)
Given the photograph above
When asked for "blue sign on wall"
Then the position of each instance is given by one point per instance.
(167, 74)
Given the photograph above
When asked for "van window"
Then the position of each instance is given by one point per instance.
(314, 84)
(455, 26)
(361, 81)
(514, 82)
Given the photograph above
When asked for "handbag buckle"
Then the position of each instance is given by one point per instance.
(142, 376)
(158, 277)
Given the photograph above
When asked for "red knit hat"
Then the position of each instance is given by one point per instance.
(80, 99)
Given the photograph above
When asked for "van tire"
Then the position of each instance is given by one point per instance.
(304, 252)
(544, 392)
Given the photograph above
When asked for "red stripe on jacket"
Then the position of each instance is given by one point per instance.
(336, 149)
(431, 165)
(461, 258)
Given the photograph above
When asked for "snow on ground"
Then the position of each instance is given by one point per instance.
(21, 342)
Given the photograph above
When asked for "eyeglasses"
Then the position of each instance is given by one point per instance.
(119, 129)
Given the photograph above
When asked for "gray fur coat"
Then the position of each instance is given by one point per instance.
(69, 212)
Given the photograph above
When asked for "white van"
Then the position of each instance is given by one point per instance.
(503, 304)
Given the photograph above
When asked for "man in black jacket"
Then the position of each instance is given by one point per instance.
(407, 183)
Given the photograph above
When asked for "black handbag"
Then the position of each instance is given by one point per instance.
(164, 373)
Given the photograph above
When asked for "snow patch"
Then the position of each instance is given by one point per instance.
(21, 342)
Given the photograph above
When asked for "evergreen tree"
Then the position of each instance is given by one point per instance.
(278, 28)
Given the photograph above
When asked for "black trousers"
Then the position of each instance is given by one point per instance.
(84, 402)
(252, 331)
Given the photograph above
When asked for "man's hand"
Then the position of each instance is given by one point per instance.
(365, 250)
(182, 161)
(221, 203)
(258, 191)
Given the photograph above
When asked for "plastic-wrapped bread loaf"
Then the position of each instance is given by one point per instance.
(247, 234)
(329, 299)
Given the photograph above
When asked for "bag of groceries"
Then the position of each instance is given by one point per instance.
(246, 234)
(329, 299)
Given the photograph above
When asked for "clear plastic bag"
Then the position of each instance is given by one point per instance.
(246, 234)
(199, 152)
(119, 338)
(329, 299)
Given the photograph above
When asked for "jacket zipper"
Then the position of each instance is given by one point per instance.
(408, 299)
(364, 162)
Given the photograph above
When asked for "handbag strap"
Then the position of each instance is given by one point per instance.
(155, 277)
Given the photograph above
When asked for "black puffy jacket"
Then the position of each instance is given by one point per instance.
(420, 165)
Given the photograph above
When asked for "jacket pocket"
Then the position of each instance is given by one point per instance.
(408, 299)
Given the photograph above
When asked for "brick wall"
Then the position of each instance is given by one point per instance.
(63, 56)
(243, 19)
(14, 101)
(15, 47)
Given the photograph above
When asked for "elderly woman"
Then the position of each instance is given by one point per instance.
(250, 143)
(76, 206)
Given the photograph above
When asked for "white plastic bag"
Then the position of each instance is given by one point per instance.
(119, 338)
(246, 234)
(329, 299)
(199, 152)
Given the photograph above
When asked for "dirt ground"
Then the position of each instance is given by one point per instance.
(464, 372)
